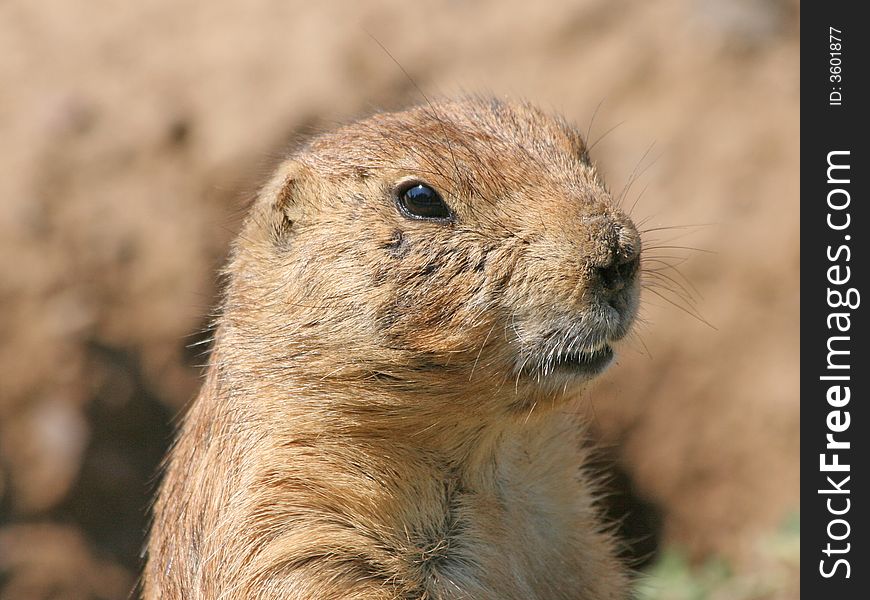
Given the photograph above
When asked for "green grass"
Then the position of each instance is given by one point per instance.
(774, 573)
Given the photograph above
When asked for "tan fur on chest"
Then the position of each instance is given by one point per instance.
(386, 410)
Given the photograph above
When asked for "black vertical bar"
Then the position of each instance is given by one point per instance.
(835, 224)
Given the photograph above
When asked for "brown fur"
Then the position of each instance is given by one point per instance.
(384, 412)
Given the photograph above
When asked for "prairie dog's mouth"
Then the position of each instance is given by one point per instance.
(579, 349)
(570, 346)
(566, 360)
(587, 364)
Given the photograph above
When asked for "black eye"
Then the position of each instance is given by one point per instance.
(419, 201)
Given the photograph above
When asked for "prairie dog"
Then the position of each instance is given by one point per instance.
(412, 303)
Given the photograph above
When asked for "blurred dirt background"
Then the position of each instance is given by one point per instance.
(133, 133)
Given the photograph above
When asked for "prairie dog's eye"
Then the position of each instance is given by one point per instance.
(420, 201)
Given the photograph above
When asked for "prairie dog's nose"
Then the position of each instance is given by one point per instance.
(621, 267)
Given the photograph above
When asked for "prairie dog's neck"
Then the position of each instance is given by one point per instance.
(456, 420)
(373, 430)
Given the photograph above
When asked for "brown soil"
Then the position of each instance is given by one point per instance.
(133, 134)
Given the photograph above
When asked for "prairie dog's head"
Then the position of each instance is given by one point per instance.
(460, 244)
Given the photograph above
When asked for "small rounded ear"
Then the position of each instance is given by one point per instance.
(278, 205)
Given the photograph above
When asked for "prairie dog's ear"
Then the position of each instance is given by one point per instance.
(278, 205)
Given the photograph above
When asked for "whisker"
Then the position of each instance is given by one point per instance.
(669, 227)
(688, 311)
(604, 135)
(592, 121)
(690, 294)
(672, 247)
(635, 175)
(677, 273)
(639, 196)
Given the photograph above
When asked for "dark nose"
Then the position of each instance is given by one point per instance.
(623, 263)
